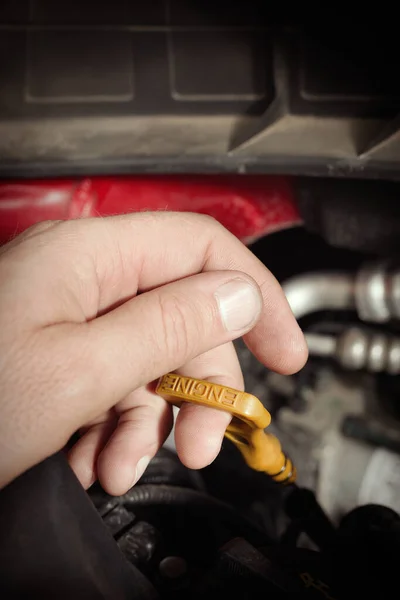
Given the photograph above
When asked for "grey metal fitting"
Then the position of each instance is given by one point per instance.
(374, 292)
(377, 292)
(376, 352)
(358, 348)
(312, 292)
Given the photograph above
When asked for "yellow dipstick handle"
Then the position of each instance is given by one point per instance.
(261, 451)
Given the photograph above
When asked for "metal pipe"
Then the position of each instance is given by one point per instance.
(320, 291)
(321, 345)
(374, 292)
(377, 292)
(358, 348)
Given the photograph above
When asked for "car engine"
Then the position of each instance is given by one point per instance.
(289, 136)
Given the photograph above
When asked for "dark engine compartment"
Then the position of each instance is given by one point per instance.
(173, 540)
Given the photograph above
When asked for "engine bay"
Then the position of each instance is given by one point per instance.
(288, 135)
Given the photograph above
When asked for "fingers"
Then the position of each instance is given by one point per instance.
(142, 429)
(161, 330)
(200, 244)
(277, 341)
(83, 456)
(144, 424)
(199, 430)
(118, 256)
(146, 421)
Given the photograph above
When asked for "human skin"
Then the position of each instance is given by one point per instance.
(94, 310)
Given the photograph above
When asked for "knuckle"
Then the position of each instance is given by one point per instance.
(39, 228)
(211, 223)
(32, 232)
(179, 324)
(43, 225)
(138, 417)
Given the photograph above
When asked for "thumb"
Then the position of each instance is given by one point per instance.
(161, 330)
(79, 371)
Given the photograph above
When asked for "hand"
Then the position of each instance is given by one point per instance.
(93, 310)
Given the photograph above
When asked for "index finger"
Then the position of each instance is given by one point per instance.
(163, 247)
(107, 261)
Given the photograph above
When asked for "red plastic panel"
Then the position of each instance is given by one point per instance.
(248, 206)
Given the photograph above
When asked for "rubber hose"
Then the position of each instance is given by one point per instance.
(164, 495)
